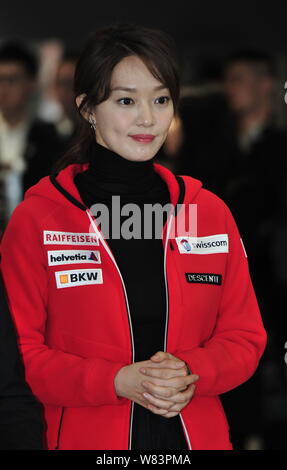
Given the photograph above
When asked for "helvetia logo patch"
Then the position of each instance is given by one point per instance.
(203, 245)
(59, 257)
(78, 277)
(204, 278)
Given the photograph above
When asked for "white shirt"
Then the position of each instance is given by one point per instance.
(13, 141)
(13, 144)
(247, 139)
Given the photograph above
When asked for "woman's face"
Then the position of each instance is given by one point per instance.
(135, 119)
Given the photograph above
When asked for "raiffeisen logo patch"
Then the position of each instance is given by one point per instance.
(60, 257)
(203, 245)
(78, 277)
(69, 238)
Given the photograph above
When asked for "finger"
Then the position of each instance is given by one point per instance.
(171, 414)
(183, 398)
(160, 411)
(159, 403)
(163, 413)
(177, 383)
(176, 408)
(159, 391)
(143, 402)
(167, 363)
(160, 356)
(163, 373)
(163, 356)
(180, 398)
(157, 411)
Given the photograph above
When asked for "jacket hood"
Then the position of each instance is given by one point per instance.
(61, 187)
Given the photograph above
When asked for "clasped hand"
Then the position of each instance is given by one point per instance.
(161, 384)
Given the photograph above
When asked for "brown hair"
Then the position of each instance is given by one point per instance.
(103, 51)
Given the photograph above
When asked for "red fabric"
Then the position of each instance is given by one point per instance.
(75, 339)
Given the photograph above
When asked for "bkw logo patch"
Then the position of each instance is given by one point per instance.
(78, 277)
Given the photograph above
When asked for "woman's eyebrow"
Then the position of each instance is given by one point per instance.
(133, 90)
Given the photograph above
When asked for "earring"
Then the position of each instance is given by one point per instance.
(93, 123)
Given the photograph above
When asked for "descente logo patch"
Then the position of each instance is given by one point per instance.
(204, 278)
(203, 245)
(78, 277)
(59, 257)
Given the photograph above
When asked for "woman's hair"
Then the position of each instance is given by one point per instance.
(103, 51)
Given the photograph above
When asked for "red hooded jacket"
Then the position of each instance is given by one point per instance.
(70, 307)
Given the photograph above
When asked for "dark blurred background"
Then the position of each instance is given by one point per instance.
(231, 133)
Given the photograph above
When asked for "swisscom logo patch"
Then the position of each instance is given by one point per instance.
(203, 245)
(78, 277)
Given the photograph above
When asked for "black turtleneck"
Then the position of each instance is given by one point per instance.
(110, 174)
(141, 262)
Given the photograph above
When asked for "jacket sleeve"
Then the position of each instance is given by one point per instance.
(21, 420)
(232, 353)
(56, 378)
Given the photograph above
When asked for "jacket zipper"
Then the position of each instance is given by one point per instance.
(128, 309)
(167, 317)
(129, 316)
(59, 430)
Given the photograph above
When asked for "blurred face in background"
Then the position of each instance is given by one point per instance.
(16, 88)
(64, 88)
(246, 88)
(135, 119)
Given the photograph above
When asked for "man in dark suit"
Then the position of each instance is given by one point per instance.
(28, 145)
(21, 420)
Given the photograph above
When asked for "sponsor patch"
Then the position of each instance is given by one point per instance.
(59, 257)
(204, 278)
(78, 277)
(203, 245)
(69, 238)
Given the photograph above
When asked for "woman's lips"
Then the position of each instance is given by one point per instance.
(145, 138)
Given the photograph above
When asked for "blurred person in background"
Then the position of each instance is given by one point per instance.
(67, 124)
(27, 144)
(231, 141)
(255, 191)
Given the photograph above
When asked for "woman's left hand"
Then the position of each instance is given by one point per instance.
(171, 407)
(162, 368)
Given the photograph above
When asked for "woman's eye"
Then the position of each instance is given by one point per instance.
(125, 101)
(163, 99)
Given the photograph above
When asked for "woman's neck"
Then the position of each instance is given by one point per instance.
(107, 164)
(116, 174)
(109, 175)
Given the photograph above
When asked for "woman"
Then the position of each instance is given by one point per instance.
(129, 340)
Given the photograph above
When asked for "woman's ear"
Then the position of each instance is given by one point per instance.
(79, 100)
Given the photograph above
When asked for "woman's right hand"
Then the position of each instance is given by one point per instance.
(128, 384)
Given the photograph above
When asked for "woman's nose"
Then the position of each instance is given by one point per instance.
(145, 116)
